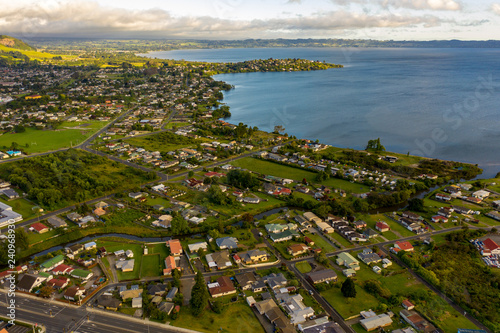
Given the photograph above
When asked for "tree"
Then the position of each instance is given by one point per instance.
(416, 205)
(46, 291)
(278, 129)
(179, 226)
(199, 295)
(21, 238)
(375, 145)
(348, 288)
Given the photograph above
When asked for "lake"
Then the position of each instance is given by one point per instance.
(442, 103)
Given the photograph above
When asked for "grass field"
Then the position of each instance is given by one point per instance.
(347, 307)
(319, 241)
(236, 317)
(283, 171)
(115, 245)
(151, 265)
(41, 140)
(303, 267)
(341, 240)
(274, 169)
(21, 206)
(35, 54)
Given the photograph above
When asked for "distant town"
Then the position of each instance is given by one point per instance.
(137, 206)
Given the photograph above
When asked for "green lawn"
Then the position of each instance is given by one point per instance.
(159, 248)
(21, 206)
(348, 307)
(41, 140)
(274, 169)
(341, 240)
(123, 244)
(151, 265)
(303, 267)
(237, 317)
(346, 185)
(322, 243)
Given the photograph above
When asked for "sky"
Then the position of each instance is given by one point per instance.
(240, 19)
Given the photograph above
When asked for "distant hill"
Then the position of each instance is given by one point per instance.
(15, 43)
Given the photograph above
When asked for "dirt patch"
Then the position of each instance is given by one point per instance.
(7, 42)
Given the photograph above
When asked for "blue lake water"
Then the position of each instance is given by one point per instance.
(442, 103)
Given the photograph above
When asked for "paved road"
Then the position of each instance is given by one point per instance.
(58, 317)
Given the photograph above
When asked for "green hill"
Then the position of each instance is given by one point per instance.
(15, 43)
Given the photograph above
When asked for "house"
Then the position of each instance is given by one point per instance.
(81, 274)
(39, 228)
(494, 215)
(408, 305)
(412, 216)
(196, 246)
(135, 195)
(90, 246)
(99, 212)
(416, 321)
(170, 265)
(166, 307)
(82, 223)
(175, 247)
(108, 302)
(439, 218)
(386, 263)
(171, 294)
(131, 293)
(222, 287)
(51, 263)
(308, 241)
(481, 194)
(325, 227)
(283, 236)
(404, 246)
(294, 306)
(157, 289)
(10, 193)
(62, 269)
(253, 256)
(347, 260)
(297, 249)
(370, 233)
(59, 283)
(349, 272)
(220, 260)
(74, 292)
(102, 205)
(377, 321)
(274, 228)
(359, 224)
(56, 222)
(275, 281)
(137, 302)
(377, 269)
(246, 280)
(320, 326)
(311, 217)
(443, 197)
(368, 257)
(28, 282)
(382, 226)
(227, 243)
(74, 217)
(490, 247)
(321, 276)
(301, 220)
(125, 265)
(73, 250)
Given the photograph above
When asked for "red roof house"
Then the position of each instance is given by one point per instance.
(382, 226)
(404, 246)
(39, 227)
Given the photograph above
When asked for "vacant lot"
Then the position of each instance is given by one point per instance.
(151, 265)
(237, 317)
(36, 141)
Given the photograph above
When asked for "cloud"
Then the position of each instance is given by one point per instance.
(294, 2)
(451, 5)
(495, 8)
(90, 19)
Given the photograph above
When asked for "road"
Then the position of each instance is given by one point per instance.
(58, 317)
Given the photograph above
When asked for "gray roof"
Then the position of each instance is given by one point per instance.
(319, 276)
(227, 242)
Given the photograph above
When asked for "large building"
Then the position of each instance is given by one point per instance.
(7, 215)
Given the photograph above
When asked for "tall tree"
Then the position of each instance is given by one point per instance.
(348, 288)
(199, 295)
